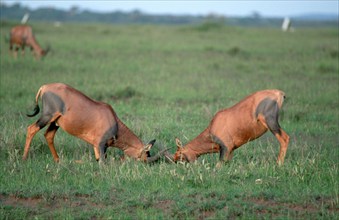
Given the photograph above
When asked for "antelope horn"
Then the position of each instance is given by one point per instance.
(178, 143)
(157, 157)
(169, 158)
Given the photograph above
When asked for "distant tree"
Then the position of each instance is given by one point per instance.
(74, 10)
(256, 15)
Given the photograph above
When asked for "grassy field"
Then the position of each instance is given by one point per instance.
(166, 82)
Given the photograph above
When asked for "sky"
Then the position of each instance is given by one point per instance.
(275, 8)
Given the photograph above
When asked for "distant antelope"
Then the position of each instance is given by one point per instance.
(22, 36)
(230, 128)
(92, 121)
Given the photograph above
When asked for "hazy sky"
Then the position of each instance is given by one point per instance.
(222, 7)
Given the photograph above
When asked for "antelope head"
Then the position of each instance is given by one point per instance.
(145, 154)
(45, 52)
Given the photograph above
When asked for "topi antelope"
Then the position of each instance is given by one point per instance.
(22, 36)
(232, 127)
(92, 121)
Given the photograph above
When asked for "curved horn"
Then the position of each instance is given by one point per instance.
(148, 147)
(153, 159)
(178, 142)
(169, 158)
(157, 157)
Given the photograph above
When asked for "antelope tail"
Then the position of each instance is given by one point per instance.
(36, 108)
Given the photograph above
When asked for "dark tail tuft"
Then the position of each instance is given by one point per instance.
(36, 111)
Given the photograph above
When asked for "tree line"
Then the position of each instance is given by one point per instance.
(16, 11)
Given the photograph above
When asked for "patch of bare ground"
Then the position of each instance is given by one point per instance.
(165, 206)
(206, 214)
(14, 201)
(49, 204)
(317, 206)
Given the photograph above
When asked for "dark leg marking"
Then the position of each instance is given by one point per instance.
(223, 148)
(152, 143)
(51, 103)
(105, 150)
(44, 120)
(109, 136)
(270, 110)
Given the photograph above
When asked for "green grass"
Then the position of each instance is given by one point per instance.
(166, 82)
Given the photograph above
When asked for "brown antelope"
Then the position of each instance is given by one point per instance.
(92, 121)
(22, 36)
(232, 127)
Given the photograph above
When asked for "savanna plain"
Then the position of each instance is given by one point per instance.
(166, 82)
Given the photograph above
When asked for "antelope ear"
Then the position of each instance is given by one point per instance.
(178, 143)
(149, 145)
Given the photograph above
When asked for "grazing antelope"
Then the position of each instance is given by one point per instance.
(92, 121)
(22, 36)
(232, 127)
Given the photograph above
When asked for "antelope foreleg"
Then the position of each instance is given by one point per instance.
(15, 53)
(226, 153)
(100, 152)
(103, 149)
(23, 50)
(97, 152)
